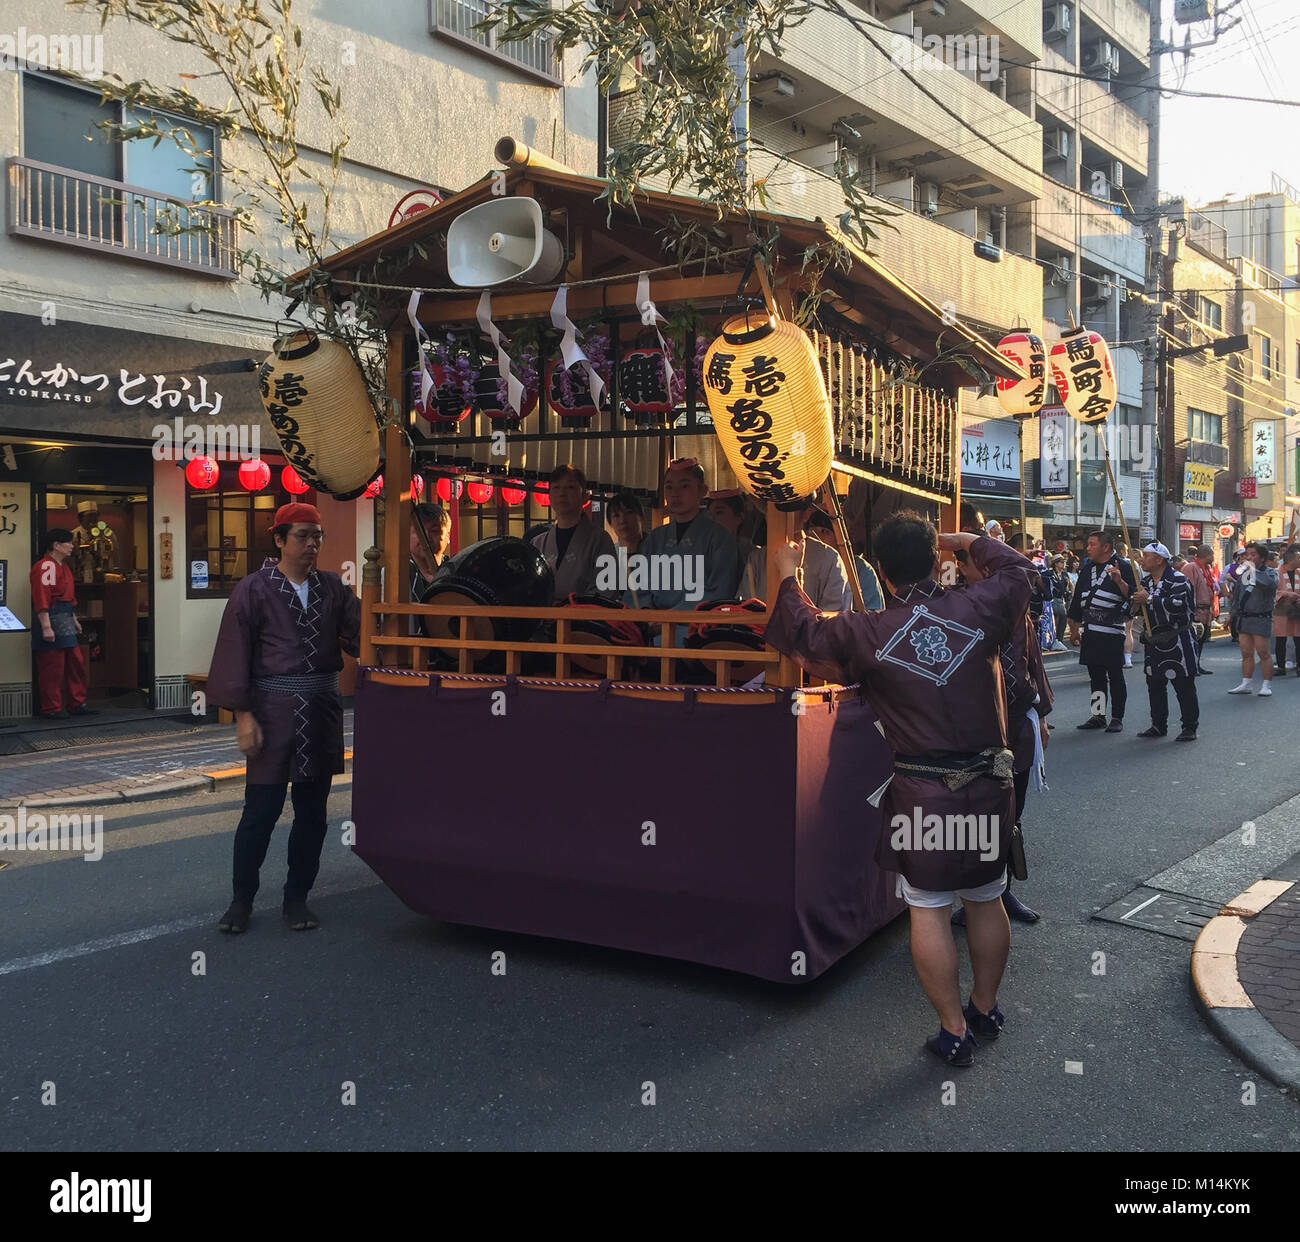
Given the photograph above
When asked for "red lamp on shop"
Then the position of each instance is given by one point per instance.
(202, 473)
(254, 475)
(542, 495)
(292, 482)
(449, 490)
(513, 492)
(480, 493)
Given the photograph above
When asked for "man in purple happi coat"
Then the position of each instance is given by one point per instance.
(276, 665)
(930, 666)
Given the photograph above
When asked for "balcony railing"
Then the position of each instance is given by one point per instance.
(56, 204)
(456, 19)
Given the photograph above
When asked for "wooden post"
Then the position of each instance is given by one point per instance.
(780, 527)
(370, 654)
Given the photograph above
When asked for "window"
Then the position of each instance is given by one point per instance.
(455, 20)
(1211, 314)
(71, 182)
(1205, 427)
(1266, 356)
(228, 528)
(1297, 360)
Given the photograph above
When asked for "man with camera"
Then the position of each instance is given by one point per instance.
(1169, 642)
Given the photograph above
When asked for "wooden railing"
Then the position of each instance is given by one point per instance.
(95, 213)
(384, 647)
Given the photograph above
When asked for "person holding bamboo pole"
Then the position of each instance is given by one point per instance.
(1101, 607)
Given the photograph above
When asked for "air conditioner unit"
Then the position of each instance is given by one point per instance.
(1057, 20)
(1116, 173)
(1099, 58)
(1056, 143)
(1122, 285)
(927, 198)
(776, 85)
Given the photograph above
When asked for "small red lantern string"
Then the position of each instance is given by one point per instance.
(254, 475)
(202, 473)
(480, 493)
(292, 482)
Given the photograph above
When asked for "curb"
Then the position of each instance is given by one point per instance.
(1228, 1010)
(163, 787)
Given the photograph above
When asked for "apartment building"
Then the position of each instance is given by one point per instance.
(1228, 474)
(110, 330)
(1016, 144)
(1261, 234)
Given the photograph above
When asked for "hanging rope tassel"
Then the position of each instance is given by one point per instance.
(514, 389)
(426, 377)
(651, 318)
(570, 350)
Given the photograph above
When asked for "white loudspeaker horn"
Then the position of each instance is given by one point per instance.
(503, 240)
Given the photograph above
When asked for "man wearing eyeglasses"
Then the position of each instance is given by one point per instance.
(276, 666)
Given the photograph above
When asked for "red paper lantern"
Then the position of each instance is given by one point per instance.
(417, 485)
(450, 489)
(202, 473)
(480, 493)
(254, 475)
(375, 487)
(512, 492)
(543, 496)
(1083, 375)
(1021, 397)
(292, 482)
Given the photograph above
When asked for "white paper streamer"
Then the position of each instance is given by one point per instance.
(421, 341)
(514, 389)
(651, 318)
(570, 350)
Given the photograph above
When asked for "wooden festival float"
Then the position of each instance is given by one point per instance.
(542, 778)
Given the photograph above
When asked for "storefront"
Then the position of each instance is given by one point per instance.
(97, 427)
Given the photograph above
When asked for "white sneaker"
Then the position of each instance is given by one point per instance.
(1128, 661)
(1265, 690)
(1244, 688)
(1290, 664)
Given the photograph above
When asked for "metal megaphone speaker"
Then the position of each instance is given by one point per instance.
(503, 240)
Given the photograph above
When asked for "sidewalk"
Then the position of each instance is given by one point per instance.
(122, 758)
(1246, 974)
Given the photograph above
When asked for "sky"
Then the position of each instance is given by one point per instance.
(1248, 141)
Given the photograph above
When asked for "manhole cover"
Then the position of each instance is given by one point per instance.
(46, 741)
(1153, 909)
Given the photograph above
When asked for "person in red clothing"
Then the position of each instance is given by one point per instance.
(60, 673)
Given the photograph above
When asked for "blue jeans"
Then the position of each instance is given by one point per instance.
(262, 807)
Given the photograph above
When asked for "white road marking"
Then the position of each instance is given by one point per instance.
(141, 934)
(1135, 909)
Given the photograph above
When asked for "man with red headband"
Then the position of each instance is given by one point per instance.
(276, 665)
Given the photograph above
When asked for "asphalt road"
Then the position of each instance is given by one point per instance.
(101, 997)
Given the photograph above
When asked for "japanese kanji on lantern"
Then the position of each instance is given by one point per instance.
(770, 409)
(1023, 396)
(316, 400)
(1083, 375)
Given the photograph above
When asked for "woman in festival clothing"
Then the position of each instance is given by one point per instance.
(625, 517)
(1170, 645)
(1286, 611)
(1252, 605)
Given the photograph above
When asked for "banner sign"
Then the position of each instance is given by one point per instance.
(1054, 434)
(1263, 450)
(990, 458)
(1198, 484)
